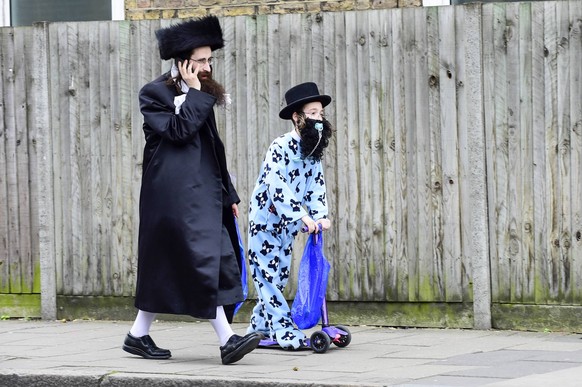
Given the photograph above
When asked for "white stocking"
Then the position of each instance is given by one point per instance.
(221, 326)
(143, 322)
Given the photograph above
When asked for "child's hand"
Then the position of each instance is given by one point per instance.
(310, 224)
(325, 224)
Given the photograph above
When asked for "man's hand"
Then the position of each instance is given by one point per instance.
(234, 210)
(189, 72)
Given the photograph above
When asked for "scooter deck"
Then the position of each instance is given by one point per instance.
(272, 344)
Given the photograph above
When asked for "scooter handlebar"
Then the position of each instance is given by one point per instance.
(305, 228)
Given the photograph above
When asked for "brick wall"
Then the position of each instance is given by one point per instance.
(168, 9)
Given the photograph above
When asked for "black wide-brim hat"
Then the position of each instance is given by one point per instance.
(300, 95)
(178, 40)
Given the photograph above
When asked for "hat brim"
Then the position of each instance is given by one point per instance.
(287, 112)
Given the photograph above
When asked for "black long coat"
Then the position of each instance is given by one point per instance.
(186, 197)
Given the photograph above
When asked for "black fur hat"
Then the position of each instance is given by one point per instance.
(180, 39)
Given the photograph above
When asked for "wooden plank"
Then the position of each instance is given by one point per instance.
(412, 149)
(353, 261)
(31, 177)
(488, 77)
(402, 252)
(11, 139)
(28, 263)
(503, 174)
(513, 189)
(376, 166)
(388, 157)
(343, 223)
(71, 231)
(5, 40)
(465, 59)
(125, 134)
(89, 156)
(426, 233)
(103, 160)
(552, 175)
(114, 170)
(82, 171)
(429, 157)
(54, 57)
(332, 174)
(376, 143)
(450, 148)
(432, 259)
(541, 188)
(526, 162)
(359, 113)
(563, 66)
(500, 217)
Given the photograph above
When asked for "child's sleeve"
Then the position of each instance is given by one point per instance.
(315, 198)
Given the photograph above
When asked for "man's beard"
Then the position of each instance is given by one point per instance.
(210, 86)
(311, 144)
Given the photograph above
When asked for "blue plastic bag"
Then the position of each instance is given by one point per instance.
(312, 284)
(243, 274)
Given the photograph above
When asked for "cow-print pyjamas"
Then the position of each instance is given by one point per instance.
(286, 185)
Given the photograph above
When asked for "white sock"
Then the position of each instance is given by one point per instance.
(221, 326)
(143, 322)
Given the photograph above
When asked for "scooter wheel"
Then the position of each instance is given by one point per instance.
(320, 342)
(343, 340)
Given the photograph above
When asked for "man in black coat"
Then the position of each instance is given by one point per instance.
(188, 254)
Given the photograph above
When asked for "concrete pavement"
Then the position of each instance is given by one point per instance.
(88, 353)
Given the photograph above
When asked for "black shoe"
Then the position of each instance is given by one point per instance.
(236, 347)
(145, 347)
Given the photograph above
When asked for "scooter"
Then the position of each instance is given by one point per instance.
(321, 340)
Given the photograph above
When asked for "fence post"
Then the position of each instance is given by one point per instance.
(43, 135)
(479, 252)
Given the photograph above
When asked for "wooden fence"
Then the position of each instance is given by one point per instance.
(454, 175)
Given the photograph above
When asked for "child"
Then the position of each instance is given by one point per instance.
(291, 178)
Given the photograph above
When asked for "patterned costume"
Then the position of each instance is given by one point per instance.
(287, 183)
